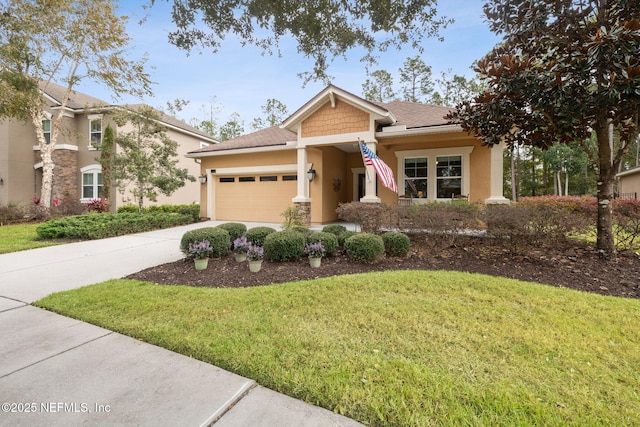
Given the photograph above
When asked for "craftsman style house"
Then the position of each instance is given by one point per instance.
(313, 160)
(77, 173)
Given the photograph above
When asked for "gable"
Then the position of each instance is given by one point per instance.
(337, 119)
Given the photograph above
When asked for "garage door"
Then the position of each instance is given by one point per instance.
(260, 198)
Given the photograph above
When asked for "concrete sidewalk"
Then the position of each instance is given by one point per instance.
(59, 371)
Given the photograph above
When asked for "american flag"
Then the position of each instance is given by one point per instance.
(383, 171)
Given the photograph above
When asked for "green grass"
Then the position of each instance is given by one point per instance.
(20, 237)
(400, 348)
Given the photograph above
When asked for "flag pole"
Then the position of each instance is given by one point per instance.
(366, 169)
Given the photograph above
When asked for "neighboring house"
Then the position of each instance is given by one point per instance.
(77, 173)
(629, 184)
(257, 176)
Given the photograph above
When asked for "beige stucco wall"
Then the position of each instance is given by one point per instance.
(344, 118)
(185, 195)
(630, 183)
(16, 163)
(479, 168)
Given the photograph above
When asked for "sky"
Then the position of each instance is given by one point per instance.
(240, 79)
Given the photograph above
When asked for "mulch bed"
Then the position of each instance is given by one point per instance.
(574, 265)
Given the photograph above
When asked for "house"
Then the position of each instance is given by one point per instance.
(629, 183)
(77, 172)
(313, 161)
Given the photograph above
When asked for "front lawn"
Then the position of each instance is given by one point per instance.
(404, 348)
(20, 237)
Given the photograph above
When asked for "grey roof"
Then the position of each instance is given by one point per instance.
(77, 100)
(268, 137)
(416, 115)
(81, 101)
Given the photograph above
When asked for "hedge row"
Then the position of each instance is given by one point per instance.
(291, 244)
(193, 210)
(99, 226)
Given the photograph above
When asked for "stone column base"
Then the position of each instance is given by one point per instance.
(305, 210)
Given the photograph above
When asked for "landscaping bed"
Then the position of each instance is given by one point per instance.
(572, 264)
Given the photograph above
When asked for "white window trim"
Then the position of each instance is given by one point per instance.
(431, 155)
(91, 169)
(91, 118)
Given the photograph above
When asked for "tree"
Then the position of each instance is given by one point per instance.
(454, 89)
(66, 42)
(415, 77)
(233, 128)
(323, 30)
(107, 151)
(274, 113)
(564, 69)
(379, 87)
(146, 158)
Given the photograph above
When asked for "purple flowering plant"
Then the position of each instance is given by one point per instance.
(315, 250)
(254, 252)
(241, 244)
(200, 249)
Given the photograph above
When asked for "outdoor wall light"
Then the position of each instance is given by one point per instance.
(202, 179)
(1, 181)
(311, 173)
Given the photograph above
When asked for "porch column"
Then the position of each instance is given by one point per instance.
(497, 176)
(302, 200)
(370, 180)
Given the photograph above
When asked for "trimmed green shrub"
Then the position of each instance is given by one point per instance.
(364, 247)
(99, 226)
(396, 243)
(127, 209)
(335, 229)
(235, 229)
(302, 230)
(256, 235)
(284, 245)
(329, 241)
(344, 236)
(217, 237)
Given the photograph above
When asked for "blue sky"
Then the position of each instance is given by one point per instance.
(241, 79)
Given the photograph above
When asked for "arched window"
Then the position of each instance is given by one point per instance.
(91, 183)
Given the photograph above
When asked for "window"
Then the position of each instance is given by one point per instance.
(290, 177)
(416, 177)
(247, 179)
(448, 176)
(268, 178)
(95, 132)
(46, 128)
(226, 179)
(92, 184)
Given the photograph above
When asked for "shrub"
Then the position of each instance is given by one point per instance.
(540, 220)
(98, 205)
(329, 241)
(12, 212)
(217, 237)
(284, 245)
(364, 247)
(302, 230)
(396, 243)
(127, 209)
(335, 229)
(256, 235)
(626, 227)
(99, 226)
(371, 217)
(344, 236)
(235, 229)
(293, 217)
(443, 222)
